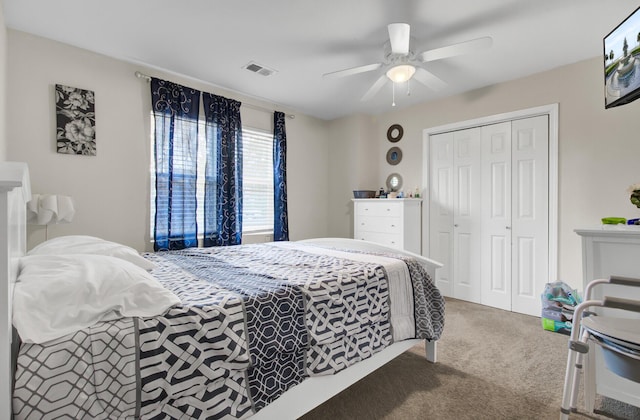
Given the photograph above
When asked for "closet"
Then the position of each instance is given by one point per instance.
(489, 212)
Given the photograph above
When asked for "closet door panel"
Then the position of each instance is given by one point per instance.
(530, 213)
(499, 279)
(441, 209)
(467, 214)
(525, 263)
(443, 243)
(496, 216)
(464, 177)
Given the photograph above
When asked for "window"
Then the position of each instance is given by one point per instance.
(257, 180)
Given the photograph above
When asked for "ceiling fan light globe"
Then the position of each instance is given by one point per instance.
(401, 73)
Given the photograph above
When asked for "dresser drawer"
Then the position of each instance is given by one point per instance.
(379, 224)
(388, 239)
(383, 207)
(394, 222)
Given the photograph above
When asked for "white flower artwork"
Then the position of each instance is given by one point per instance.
(76, 119)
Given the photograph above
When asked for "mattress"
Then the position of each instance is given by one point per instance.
(253, 321)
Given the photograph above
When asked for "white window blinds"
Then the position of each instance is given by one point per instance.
(257, 180)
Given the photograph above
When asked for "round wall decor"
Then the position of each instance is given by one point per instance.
(394, 182)
(394, 133)
(394, 156)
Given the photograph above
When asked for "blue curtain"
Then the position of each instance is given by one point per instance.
(175, 112)
(280, 213)
(223, 172)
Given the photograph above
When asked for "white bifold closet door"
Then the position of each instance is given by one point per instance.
(489, 213)
(455, 219)
(441, 209)
(496, 273)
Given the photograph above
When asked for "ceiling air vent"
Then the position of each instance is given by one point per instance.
(257, 68)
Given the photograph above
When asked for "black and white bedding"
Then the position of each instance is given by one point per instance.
(252, 322)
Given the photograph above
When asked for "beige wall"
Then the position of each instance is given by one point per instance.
(326, 161)
(352, 166)
(598, 148)
(111, 190)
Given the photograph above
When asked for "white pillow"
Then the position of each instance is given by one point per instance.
(82, 244)
(59, 294)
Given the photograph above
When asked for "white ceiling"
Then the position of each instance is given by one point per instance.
(211, 40)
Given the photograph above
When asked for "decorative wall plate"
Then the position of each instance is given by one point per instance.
(394, 133)
(394, 182)
(394, 156)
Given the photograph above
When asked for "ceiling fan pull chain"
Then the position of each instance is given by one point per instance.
(393, 90)
(409, 87)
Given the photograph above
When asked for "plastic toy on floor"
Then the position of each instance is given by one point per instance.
(558, 303)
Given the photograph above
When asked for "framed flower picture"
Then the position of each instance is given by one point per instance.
(75, 121)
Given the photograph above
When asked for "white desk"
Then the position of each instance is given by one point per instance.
(611, 250)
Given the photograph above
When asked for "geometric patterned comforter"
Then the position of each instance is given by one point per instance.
(254, 320)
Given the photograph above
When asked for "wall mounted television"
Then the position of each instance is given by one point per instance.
(622, 62)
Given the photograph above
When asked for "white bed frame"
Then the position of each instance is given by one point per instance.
(15, 192)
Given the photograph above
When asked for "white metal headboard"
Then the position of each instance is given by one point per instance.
(15, 192)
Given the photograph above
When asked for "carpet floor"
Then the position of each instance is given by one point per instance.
(492, 364)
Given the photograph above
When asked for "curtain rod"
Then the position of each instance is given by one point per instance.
(256, 107)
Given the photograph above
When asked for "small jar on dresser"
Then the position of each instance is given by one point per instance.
(393, 222)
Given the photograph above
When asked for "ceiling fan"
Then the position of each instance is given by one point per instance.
(401, 63)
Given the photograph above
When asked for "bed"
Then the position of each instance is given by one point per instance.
(331, 312)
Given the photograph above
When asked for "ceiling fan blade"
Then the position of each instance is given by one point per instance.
(399, 34)
(375, 88)
(456, 49)
(429, 79)
(352, 71)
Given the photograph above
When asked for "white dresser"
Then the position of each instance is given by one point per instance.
(606, 251)
(394, 222)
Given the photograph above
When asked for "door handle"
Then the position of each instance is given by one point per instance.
(508, 227)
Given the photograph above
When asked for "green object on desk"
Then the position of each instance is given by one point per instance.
(613, 220)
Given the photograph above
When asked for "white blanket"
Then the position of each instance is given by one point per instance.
(59, 294)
